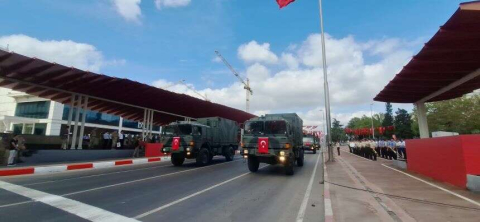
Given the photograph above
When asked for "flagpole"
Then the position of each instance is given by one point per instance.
(325, 88)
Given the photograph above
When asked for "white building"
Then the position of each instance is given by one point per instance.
(22, 113)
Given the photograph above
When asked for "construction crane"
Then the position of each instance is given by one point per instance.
(195, 91)
(246, 83)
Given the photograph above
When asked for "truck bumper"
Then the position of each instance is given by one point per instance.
(273, 157)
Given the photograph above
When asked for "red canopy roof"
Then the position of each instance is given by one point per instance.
(106, 94)
(451, 54)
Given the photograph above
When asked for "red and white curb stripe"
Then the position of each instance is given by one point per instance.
(78, 166)
(327, 201)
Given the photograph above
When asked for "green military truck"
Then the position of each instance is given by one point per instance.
(310, 143)
(274, 139)
(201, 140)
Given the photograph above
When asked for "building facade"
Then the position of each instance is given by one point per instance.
(22, 113)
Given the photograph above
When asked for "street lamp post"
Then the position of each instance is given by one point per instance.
(325, 88)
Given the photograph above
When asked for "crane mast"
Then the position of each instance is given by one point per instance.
(246, 83)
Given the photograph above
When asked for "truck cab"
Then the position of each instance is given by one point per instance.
(200, 140)
(273, 139)
(310, 143)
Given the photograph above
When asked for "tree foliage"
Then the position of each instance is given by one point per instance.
(338, 133)
(460, 115)
(388, 120)
(403, 124)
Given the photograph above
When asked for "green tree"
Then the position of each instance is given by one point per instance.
(403, 124)
(388, 119)
(460, 115)
(338, 133)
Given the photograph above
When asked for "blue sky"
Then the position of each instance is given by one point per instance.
(178, 41)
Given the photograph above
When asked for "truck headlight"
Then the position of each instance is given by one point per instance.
(188, 148)
(282, 153)
(282, 159)
(188, 153)
(245, 151)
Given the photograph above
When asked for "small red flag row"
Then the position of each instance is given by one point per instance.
(368, 131)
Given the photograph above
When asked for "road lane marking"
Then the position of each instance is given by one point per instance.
(102, 174)
(79, 209)
(303, 207)
(119, 184)
(191, 195)
(436, 186)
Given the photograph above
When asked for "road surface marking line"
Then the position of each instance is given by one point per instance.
(79, 209)
(191, 195)
(99, 188)
(144, 179)
(436, 186)
(303, 206)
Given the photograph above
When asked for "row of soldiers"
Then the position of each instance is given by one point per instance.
(370, 149)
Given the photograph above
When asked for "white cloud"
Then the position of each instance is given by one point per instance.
(65, 52)
(171, 3)
(295, 84)
(254, 52)
(128, 9)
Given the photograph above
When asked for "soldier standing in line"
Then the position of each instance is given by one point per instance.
(114, 139)
(373, 147)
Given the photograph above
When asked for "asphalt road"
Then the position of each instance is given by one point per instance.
(223, 191)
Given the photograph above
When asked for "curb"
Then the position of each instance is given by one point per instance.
(41, 170)
(327, 201)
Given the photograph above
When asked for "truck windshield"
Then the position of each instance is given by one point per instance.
(255, 127)
(275, 127)
(307, 140)
(176, 130)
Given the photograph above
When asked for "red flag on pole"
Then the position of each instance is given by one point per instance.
(283, 3)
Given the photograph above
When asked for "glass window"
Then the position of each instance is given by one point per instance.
(255, 127)
(93, 117)
(33, 109)
(40, 129)
(17, 128)
(275, 127)
(28, 128)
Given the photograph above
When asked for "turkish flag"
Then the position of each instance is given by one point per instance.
(175, 143)
(263, 144)
(283, 3)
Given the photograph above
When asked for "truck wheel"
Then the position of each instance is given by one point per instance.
(253, 164)
(203, 157)
(177, 160)
(229, 154)
(314, 151)
(301, 159)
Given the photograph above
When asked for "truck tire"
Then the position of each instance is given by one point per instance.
(177, 160)
(314, 151)
(203, 157)
(229, 153)
(253, 164)
(301, 159)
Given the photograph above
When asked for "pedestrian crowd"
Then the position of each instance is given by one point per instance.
(371, 149)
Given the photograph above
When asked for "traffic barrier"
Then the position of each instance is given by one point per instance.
(447, 159)
(77, 166)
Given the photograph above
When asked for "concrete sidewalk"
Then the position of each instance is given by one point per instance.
(358, 187)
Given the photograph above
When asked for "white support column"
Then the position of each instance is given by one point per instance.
(69, 121)
(120, 125)
(82, 127)
(75, 127)
(144, 122)
(151, 122)
(422, 120)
